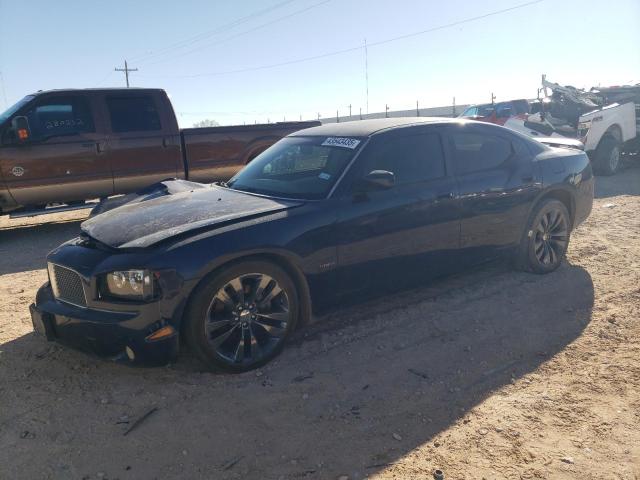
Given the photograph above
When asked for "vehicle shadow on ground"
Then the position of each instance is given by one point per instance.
(353, 393)
(625, 182)
(25, 247)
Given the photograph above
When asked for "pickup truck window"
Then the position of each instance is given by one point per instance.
(133, 114)
(295, 167)
(56, 116)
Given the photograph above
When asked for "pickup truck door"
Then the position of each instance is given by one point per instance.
(60, 162)
(143, 145)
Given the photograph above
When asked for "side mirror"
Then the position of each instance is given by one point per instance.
(20, 125)
(379, 179)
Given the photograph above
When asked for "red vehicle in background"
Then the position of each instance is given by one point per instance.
(498, 113)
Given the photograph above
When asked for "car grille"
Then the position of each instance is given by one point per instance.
(67, 285)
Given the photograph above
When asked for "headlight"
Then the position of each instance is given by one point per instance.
(583, 130)
(133, 284)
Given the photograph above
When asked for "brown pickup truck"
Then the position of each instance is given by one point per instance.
(63, 147)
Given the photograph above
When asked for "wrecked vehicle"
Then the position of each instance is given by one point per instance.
(324, 214)
(498, 112)
(605, 129)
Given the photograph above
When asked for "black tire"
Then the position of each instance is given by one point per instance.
(238, 332)
(545, 239)
(606, 160)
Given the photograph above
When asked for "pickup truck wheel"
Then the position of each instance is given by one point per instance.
(240, 318)
(546, 238)
(607, 156)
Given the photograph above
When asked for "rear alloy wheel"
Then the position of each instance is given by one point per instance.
(241, 318)
(546, 239)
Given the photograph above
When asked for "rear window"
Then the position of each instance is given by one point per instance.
(521, 106)
(474, 152)
(133, 114)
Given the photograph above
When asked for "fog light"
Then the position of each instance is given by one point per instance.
(130, 354)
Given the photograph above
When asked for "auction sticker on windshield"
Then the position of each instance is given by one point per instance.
(341, 142)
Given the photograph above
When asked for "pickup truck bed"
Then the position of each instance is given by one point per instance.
(67, 146)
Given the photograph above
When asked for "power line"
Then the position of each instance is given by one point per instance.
(105, 78)
(359, 47)
(203, 35)
(239, 34)
(126, 71)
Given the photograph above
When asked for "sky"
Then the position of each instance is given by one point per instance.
(270, 60)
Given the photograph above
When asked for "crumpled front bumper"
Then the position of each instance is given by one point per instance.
(117, 335)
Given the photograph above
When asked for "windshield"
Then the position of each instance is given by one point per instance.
(479, 111)
(13, 109)
(298, 167)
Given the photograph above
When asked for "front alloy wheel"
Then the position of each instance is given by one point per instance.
(247, 318)
(240, 318)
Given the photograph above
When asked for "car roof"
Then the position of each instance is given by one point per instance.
(98, 90)
(365, 128)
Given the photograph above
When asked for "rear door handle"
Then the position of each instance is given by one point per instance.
(444, 196)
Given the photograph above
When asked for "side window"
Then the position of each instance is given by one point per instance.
(473, 152)
(521, 106)
(504, 110)
(59, 116)
(412, 158)
(133, 114)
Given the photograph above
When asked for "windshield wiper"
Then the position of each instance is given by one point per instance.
(222, 184)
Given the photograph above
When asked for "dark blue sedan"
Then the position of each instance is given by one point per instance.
(324, 214)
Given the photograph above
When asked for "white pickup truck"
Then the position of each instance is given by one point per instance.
(606, 129)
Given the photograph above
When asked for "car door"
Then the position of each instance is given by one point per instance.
(394, 236)
(140, 148)
(60, 161)
(495, 181)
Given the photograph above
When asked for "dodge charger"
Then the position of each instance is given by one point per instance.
(229, 270)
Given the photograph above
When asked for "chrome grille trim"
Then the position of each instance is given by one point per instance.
(67, 285)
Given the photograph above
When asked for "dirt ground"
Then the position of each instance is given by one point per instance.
(488, 374)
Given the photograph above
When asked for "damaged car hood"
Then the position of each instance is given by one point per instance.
(142, 224)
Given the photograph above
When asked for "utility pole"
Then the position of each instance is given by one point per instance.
(417, 109)
(493, 98)
(360, 113)
(386, 111)
(349, 111)
(126, 71)
(337, 117)
(454, 107)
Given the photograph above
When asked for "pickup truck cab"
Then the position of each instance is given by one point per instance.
(67, 146)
